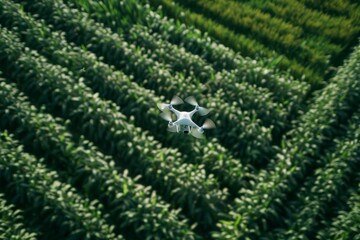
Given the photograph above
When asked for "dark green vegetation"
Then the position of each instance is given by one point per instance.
(85, 155)
(301, 39)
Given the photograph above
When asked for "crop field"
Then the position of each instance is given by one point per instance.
(84, 153)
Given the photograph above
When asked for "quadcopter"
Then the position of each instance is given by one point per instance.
(184, 123)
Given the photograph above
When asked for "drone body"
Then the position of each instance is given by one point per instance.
(184, 122)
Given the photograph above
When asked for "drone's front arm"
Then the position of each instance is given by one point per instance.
(193, 111)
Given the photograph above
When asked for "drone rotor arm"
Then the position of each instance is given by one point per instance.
(193, 112)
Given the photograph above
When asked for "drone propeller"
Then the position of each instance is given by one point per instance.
(162, 106)
(198, 133)
(174, 101)
(166, 115)
(208, 124)
(195, 132)
(191, 100)
(202, 111)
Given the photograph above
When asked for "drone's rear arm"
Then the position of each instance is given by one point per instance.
(177, 113)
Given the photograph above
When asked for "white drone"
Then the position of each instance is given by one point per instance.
(184, 123)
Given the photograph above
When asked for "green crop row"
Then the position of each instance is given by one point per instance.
(184, 185)
(55, 205)
(112, 13)
(82, 30)
(240, 131)
(291, 95)
(124, 19)
(259, 207)
(136, 209)
(220, 56)
(129, 12)
(337, 7)
(339, 29)
(11, 226)
(287, 89)
(321, 191)
(253, 141)
(279, 35)
(347, 224)
(178, 59)
(225, 13)
(258, 100)
(164, 52)
(117, 87)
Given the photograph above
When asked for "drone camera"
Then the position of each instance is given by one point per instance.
(186, 131)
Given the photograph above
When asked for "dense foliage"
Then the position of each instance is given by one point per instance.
(84, 153)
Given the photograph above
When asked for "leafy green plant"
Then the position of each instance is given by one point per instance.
(54, 204)
(11, 226)
(346, 224)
